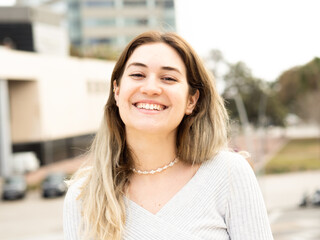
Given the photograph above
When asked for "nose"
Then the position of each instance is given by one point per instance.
(151, 86)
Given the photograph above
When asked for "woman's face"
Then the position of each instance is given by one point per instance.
(153, 95)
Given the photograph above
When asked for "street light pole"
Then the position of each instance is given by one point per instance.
(5, 135)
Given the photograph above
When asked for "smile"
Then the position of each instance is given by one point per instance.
(150, 106)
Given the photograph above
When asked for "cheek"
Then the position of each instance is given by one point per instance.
(123, 103)
(124, 99)
(123, 110)
(181, 96)
(125, 92)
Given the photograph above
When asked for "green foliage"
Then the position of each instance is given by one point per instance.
(296, 155)
(259, 97)
(101, 51)
(295, 91)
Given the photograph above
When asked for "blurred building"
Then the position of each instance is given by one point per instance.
(116, 22)
(33, 29)
(106, 22)
(51, 105)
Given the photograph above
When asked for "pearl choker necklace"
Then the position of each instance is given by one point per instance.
(170, 164)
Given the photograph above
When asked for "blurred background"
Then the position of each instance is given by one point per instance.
(56, 59)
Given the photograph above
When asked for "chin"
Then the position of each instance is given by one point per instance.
(150, 129)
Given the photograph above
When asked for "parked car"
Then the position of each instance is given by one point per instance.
(315, 199)
(54, 185)
(14, 187)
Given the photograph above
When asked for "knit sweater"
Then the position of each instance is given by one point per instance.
(221, 201)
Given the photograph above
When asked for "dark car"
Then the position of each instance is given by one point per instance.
(14, 187)
(54, 185)
(315, 199)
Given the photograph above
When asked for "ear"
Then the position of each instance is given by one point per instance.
(192, 102)
(116, 91)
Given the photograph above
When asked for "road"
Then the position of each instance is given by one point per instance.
(296, 224)
(32, 218)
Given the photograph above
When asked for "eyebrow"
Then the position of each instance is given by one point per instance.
(170, 69)
(138, 64)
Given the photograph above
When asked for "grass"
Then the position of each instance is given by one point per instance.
(296, 155)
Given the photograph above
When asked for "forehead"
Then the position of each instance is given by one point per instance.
(157, 54)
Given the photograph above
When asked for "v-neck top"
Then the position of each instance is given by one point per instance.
(221, 201)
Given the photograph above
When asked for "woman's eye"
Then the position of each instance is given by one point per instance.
(136, 75)
(170, 79)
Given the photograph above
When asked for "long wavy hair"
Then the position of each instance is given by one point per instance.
(199, 137)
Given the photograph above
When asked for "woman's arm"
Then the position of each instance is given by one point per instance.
(246, 214)
(72, 213)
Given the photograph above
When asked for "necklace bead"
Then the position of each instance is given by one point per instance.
(158, 170)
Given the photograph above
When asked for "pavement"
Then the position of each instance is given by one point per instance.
(282, 194)
(32, 218)
(285, 191)
(296, 224)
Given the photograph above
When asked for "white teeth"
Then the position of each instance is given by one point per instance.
(149, 106)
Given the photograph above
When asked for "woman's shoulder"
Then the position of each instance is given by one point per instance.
(229, 169)
(74, 188)
(72, 208)
(76, 183)
(229, 161)
(227, 156)
(235, 165)
(217, 174)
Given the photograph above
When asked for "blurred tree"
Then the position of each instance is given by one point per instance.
(259, 97)
(299, 90)
(308, 107)
(296, 91)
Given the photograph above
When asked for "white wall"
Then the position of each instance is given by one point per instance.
(72, 91)
(68, 106)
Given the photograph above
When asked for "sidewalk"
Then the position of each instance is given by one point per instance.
(285, 191)
(282, 194)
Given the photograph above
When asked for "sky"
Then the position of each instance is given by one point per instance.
(269, 36)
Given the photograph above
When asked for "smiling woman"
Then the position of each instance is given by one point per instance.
(159, 168)
(153, 93)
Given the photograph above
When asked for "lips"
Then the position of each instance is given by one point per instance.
(150, 106)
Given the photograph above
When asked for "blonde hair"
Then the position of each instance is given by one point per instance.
(200, 136)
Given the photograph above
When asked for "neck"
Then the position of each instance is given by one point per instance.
(151, 151)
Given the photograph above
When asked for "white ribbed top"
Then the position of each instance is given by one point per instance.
(222, 201)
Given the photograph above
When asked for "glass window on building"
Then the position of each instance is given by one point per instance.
(136, 22)
(170, 22)
(96, 22)
(129, 38)
(165, 3)
(73, 5)
(100, 41)
(99, 3)
(134, 3)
